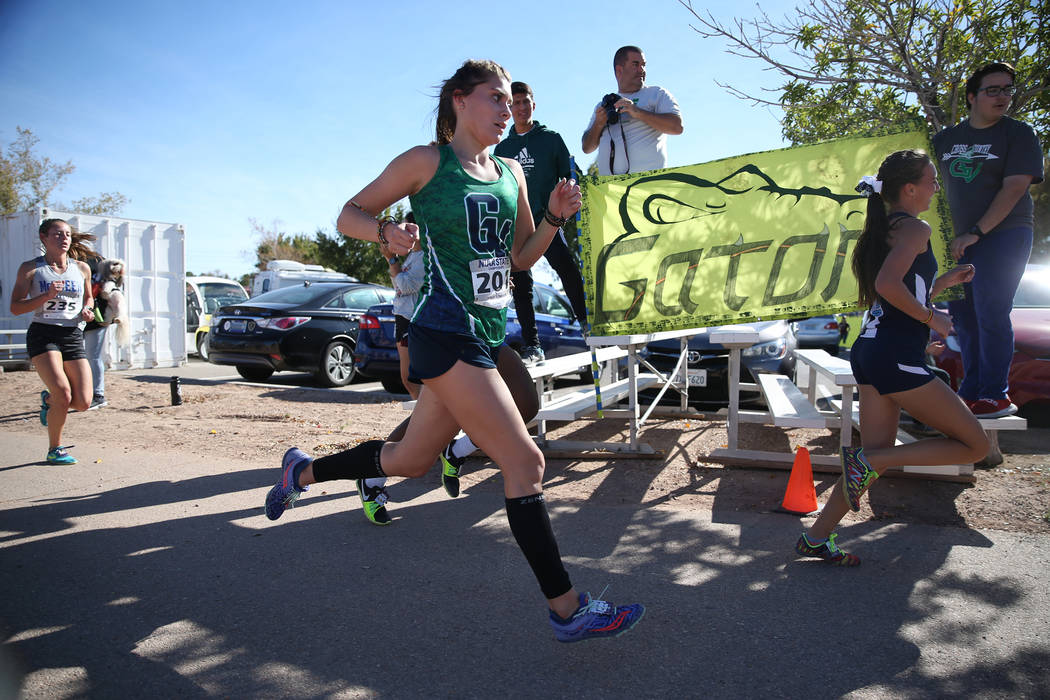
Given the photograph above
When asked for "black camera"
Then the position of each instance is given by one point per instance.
(611, 115)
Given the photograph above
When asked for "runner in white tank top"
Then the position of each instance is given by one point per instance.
(56, 288)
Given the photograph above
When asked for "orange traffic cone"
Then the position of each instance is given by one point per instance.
(800, 496)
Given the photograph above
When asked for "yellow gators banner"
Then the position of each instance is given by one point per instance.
(756, 237)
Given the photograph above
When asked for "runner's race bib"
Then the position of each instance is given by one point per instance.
(491, 278)
(64, 308)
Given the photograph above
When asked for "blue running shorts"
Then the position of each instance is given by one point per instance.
(431, 353)
(889, 369)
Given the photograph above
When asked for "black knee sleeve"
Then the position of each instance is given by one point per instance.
(359, 462)
(531, 526)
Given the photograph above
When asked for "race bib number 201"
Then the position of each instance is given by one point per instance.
(491, 279)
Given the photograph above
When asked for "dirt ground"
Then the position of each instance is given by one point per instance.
(257, 424)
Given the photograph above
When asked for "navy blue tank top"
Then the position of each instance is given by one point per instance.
(883, 317)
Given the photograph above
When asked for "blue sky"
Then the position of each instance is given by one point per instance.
(212, 113)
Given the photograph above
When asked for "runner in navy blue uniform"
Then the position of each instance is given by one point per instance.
(473, 221)
(895, 269)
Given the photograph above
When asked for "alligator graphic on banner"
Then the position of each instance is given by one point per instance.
(755, 237)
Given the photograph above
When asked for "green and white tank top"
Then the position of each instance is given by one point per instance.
(466, 228)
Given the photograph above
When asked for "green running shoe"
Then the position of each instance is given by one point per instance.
(826, 550)
(451, 466)
(373, 501)
(857, 475)
(58, 455)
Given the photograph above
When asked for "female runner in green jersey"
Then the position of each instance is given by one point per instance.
(473, 222)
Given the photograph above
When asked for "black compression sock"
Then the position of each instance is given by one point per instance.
(531, 526)
(359, 462)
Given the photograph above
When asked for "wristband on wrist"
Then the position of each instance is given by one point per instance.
(379, 230)
(555, 221)
(928, 318)
(976, 230)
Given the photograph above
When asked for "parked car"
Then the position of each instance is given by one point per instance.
(1029, 378)
(708, 363)
(312, 327)
(376, 353)
(204, 296)
(818, 332)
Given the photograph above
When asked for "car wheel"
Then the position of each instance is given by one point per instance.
(394, 386)
(202, 346)
(337, 364)
(254, 373)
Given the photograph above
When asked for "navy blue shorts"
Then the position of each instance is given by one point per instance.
(432, 353)
(68, 340)
(889, 369)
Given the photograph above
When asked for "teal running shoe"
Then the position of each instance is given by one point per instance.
(58, 455)
(373, 501)
(451, 466)
(826, 550)
(594, 619)
(43, 407)
(286, 492)
(857, 475)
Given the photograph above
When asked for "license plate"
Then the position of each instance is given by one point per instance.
(697, 377)
(237, 325)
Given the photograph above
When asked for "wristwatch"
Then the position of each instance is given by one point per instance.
(976, 230)
(392, 260)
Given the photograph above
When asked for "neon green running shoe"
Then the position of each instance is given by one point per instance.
(373, 501)
(826, 550)
(451, 466)
(857, 475)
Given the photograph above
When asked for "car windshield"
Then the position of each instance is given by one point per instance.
(217, 294)
(300, 294)
(1034, 290)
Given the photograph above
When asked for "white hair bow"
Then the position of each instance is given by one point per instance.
(868, 185)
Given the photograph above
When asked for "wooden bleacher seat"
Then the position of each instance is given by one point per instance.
(788, 407)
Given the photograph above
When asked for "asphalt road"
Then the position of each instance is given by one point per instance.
(150, 575)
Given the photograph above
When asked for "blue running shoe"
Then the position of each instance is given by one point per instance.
(43, 407)
(286, 492)
(596, 618)
(58, 455)
(857, 475)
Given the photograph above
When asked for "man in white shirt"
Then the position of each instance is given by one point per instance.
(630, 129)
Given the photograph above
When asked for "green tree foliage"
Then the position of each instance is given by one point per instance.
(275, 244)
(360, 259)
(105, 203)
(851, 65)
(28, 181)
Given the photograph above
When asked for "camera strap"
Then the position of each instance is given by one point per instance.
(612, 148)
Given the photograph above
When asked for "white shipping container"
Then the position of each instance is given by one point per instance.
(154, 254)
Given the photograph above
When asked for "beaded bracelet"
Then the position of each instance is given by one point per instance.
(382, 224)
(555, 221)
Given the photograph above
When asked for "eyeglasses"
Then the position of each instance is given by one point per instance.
(996, 90)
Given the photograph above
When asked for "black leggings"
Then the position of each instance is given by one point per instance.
(561, 259)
